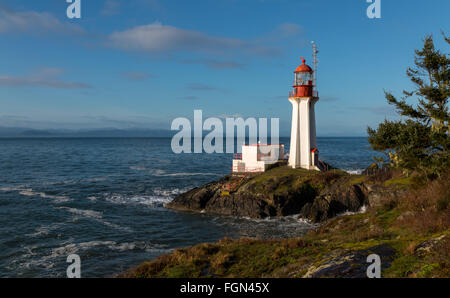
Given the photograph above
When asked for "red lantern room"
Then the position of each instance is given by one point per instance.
(303, 84)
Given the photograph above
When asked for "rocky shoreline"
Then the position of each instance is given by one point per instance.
(283, 191)
(406, 223)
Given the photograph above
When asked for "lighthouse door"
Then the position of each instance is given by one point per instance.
(315, 157)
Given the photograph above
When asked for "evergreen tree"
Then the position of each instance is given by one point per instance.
(420, 142)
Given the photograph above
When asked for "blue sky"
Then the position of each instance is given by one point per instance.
(142, 63)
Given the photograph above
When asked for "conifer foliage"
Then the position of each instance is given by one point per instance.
(420, 141)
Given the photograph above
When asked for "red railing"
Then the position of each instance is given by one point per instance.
(323, 166)
(293, 93)
(246, 171)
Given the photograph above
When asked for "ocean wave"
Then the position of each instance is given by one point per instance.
(282, 220)
(112, 245)
(84, 213)
(96, 179)
(44, 230)
(11, 188)
(355, 172)
(191, 174)
(363, 209)
(97, 216)
(30, 259)
(152, 201)
(33, 258)
(138, 168)
(170, 193)
(269, 227)
(29, 192)
(163, 173)
(161, 197)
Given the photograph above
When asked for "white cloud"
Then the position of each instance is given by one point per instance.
(158, 38)
(33, 22)
(44, 77)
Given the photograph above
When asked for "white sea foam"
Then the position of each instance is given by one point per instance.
(11, 188)
(363, 209)
(285, 221)
(44, 230)
(138, 168)
(355, 171)
(163, 173)
(170, 193)
(153, 201)
(189, 174)
(96, 179)
(30, 193)
(161, 197)
(116, 226)
(33, 257)
(112, 245)
(157, 172)
(84, 213)
(97, 216)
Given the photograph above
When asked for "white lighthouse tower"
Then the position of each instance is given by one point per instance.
(303, 150)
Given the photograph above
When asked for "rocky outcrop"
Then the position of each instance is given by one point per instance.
(378, 195)
(427, 247)
(335, 199)
(247, 200)
(281, 192)
(350, 264)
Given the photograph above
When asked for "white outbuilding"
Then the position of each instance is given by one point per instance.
(257, 158)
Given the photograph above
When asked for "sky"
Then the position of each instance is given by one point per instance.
(142, 63)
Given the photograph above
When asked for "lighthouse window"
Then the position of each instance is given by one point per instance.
(303, 78)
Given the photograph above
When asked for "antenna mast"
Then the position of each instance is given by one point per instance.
(315, 62)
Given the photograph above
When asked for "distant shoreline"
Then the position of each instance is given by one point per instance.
(142, 137)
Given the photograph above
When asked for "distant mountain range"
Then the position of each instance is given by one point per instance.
(22, 132)
(18, 132)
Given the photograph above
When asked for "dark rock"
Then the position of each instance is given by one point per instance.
(195, 199)
(427, 247)
(351, 264)
(378, 195)
(281, 192)
(246, 201)
(335, 200)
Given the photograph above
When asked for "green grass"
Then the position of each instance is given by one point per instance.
(402, 266)
(428, 270)
(292, 257)
(403, 181)
(357, 180)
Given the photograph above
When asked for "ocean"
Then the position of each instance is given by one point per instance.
(103, 199)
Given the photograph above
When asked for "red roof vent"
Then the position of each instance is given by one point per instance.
(303, 67)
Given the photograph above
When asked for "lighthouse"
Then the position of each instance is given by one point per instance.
(303, 149)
